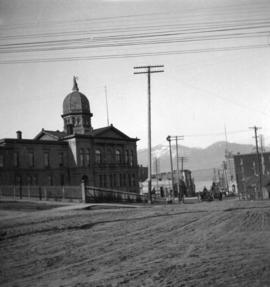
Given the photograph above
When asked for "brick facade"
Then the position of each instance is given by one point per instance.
(247, 171)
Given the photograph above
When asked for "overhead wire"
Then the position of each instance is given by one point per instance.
(249, 9)
(132, 55)
(149, 32)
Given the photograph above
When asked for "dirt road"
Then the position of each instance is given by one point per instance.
(206, 244)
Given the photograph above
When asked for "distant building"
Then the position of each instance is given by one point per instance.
(247, 171)
(103, 157)
(143, 173)
(186, 181)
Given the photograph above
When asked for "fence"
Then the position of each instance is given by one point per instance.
(96, 194)
(73, 193)
(57, 193)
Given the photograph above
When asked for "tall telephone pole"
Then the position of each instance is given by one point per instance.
(176, 138)
(171, 161)
(258, 159)
(148, 70)
(262, 151)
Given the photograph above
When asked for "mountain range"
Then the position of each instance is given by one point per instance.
(201, 161)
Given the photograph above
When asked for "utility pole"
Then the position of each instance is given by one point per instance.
(157, 170)
(176, 138)
(227, 158)
(171, 161)
(148, 70)
(258, 159)
(262, 151)
(214, 176)
(182, 158)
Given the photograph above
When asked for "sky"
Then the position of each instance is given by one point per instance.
(216, 57)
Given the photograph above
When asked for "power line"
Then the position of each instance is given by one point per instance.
(153, 27)
(226, 32)
(132, 55)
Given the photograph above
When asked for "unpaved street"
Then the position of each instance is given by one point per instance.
(204, 244)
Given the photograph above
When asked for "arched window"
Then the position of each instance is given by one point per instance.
(87, 158)
(81, 157)
(133, 180)
(50, 180)
(29, 180)
(120, 180)
(16, 159)
(97, 156)
(61, 159)
(117, 156)
(46, 159)
(127, 156)
(131, 158)
(31, 159)
(1, 160)
(129, 180)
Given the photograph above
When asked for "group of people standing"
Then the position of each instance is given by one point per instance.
(213, 192)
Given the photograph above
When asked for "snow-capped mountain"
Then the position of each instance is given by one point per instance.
(201, 161)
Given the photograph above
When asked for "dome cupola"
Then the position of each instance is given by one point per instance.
(76, 112)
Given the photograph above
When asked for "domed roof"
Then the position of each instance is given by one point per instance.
(75, 102)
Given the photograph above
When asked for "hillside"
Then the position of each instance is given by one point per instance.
(201, 161)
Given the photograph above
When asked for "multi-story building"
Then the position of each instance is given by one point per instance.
(103, 157)
(253, 175)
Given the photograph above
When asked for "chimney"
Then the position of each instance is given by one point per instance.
(19, 135)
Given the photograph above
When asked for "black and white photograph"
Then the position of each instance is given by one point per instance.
(135, 143)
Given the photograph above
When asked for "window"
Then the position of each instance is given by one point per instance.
(97, 156)
(81, 157)
(87, 158)
(16, 159)
(120, 180)
(117, 179)
(69, 129)
(1, 160)
(50, 180)
(117, 156)
(129, 180)
(46, 159)
(131, 158)
(35, 180)
(133, 180)
(254, 167)
(111, 180)
(127, 156)
(18, 180)
(61, 159)
(100, 180)
(29, 180)
(105, 180)
(31, 159)
(124, 180)
(114, 180)
(62, 179)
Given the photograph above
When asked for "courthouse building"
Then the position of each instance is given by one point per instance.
(103, 157)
